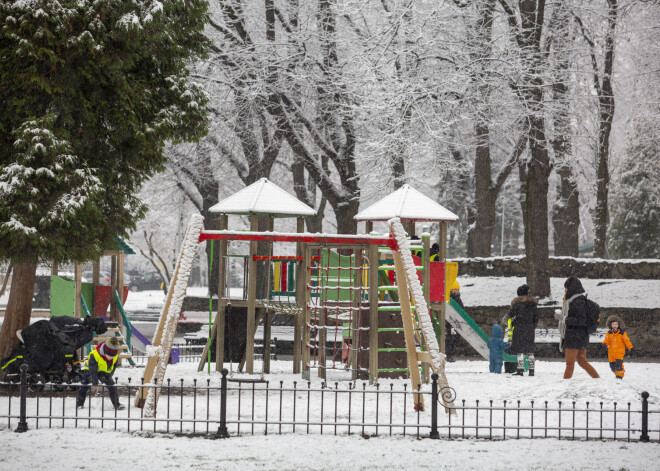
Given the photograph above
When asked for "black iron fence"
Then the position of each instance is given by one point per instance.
(255, 406)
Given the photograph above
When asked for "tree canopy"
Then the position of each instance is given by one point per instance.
(90, 92)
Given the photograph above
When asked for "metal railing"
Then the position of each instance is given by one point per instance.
(239, 406)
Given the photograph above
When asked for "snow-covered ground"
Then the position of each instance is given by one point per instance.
(75, 449)
(58, 448)
(499, 291)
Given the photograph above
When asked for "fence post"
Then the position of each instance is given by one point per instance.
(222, 430)
(22, 422)
(434, 407)
(645, 418)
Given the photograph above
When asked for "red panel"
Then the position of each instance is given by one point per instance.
(437, 271)
(283, 276)
(102, 299)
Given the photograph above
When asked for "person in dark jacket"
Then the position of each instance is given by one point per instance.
(523, 318)
(99, 367)
(573, 327)
(496, 345)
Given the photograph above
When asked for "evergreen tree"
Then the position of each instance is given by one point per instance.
(90, 91)
(635, 221)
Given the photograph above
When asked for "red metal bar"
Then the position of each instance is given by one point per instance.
(275, 259)
(295, 237)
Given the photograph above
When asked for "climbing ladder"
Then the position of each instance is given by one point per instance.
(115, 331)
(387, 285)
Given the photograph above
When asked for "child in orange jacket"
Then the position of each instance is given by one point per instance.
(616, 341)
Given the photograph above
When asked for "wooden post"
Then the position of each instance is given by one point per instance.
(114, 312)
(408, 327)
(301, 268)
(368, 227)
(268, 315)
(305, 315)
(442, 254)
(77, 305)
(373, 313)
(321, 337)
(167, 322)
(120, 277)
(53, 269)
(221, 315)
(252, 298)
(217, 329)
(426, 285)
(96, 272)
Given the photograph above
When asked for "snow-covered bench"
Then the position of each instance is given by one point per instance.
(551, 335)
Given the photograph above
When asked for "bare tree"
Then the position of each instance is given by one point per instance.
(566, 209)
(602, 85)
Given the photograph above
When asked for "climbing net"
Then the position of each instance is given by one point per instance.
(337, 308)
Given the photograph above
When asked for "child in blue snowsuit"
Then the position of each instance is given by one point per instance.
(496, 345)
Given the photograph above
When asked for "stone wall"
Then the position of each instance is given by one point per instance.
(561, 267)
(642, 325)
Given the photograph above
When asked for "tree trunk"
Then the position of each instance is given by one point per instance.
(306, 192)
(480, 235)
(538, 168)
(345, 214)
(566, 210)
(536, 230)
(19, 306)
(606, 110)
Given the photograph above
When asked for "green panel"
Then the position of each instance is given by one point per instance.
(62, 294)
(87, 291)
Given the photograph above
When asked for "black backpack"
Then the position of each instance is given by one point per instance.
(593, 315)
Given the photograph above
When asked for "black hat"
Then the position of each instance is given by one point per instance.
(523, 290)
(574, 286)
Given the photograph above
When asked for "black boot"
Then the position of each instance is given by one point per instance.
(531, 372)
(519, 373)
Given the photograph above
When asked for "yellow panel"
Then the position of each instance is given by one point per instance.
(452, 274)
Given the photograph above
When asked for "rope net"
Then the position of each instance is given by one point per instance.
(337, 310)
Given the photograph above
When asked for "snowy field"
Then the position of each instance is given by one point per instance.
(499, 291)
(142, 450)
(72, 449)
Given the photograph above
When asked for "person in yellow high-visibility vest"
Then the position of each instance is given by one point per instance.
(99, 367)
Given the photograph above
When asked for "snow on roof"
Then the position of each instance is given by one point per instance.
(263, 197)
(407, 204)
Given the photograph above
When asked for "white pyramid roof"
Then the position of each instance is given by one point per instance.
(263, 197)
(408, 204)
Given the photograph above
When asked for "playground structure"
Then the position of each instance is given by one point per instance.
(331, 287)
(341, 289)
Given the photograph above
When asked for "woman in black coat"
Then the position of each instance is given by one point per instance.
(524, 317)
(573, 326)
